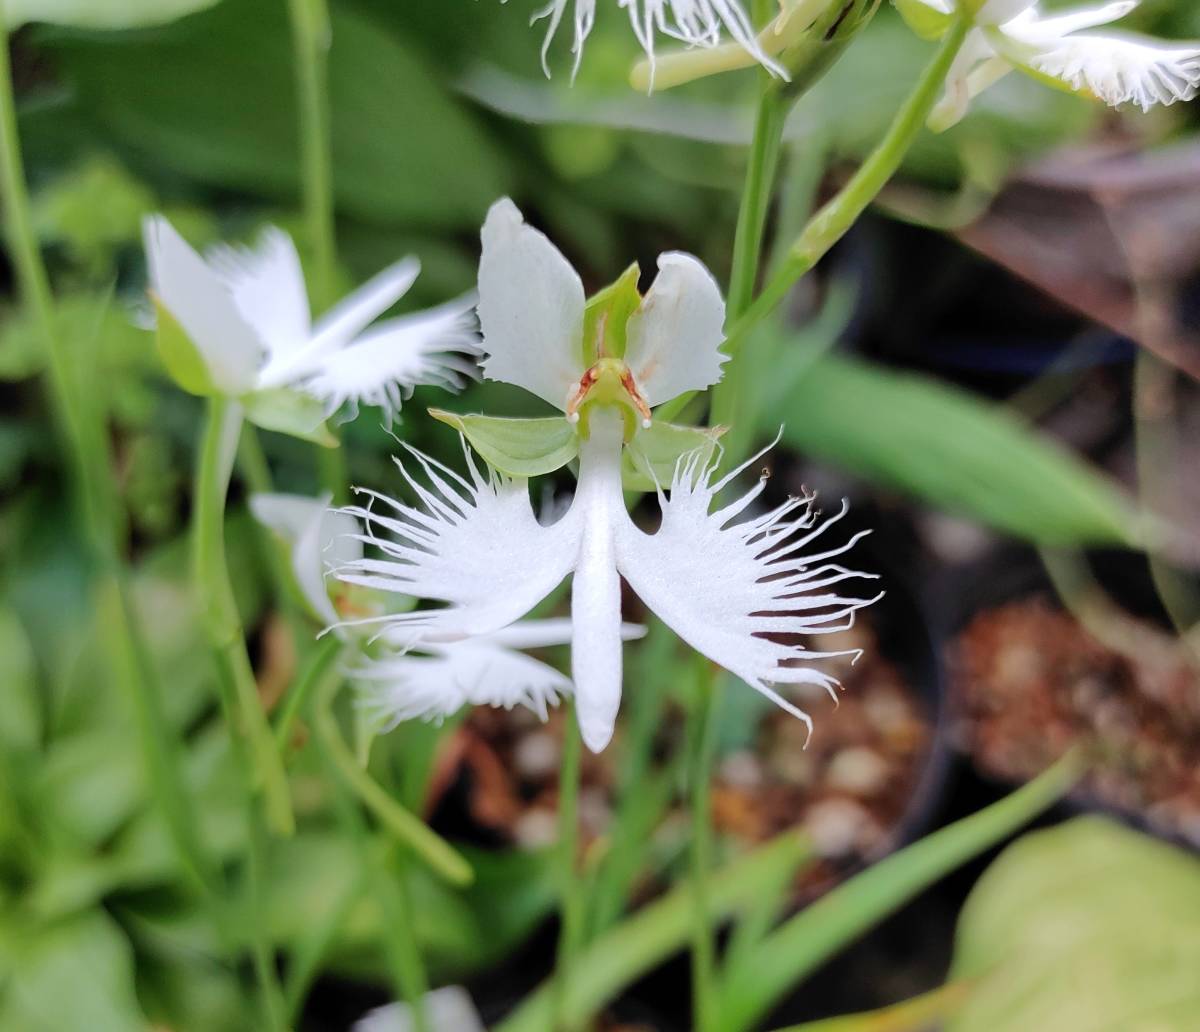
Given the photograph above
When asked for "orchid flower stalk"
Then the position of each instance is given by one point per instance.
(729, 582)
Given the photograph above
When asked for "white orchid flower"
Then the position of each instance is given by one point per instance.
(449, 1009)
(698, 23)
(246, 311)
(1115, 67)
(738, 592)
(404, 679)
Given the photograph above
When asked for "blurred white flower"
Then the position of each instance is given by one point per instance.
(697, 23)
(448, 1009)
(476, 545)
(400, 677)
(247, 313)
(1115, 67)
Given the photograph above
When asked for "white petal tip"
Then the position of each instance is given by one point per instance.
(596, 733)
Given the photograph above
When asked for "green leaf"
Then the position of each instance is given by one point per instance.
(606, 317)
(77, 974)
(951, 449)
(21, 714)
(923, 19)
(518, 447)
(1087, 927)
(191, 98)
(650, 458)
(765, 973)
(183, 360)
(290, 412)
(100, 14)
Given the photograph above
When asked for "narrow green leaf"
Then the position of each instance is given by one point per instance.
(650, 458)
(518, 447)
(183, 360)
(801, 944)
(645, 940)
(21, 714)
(1092, 906)
(951, 449)
(290, 412)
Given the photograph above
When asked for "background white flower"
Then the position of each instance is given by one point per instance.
(695, 22)
(1115, 67)
(247, 312)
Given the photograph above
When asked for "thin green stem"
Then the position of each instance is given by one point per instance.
(222, 622)
(261, 952)
(408, 829)
(701, 741)
(84, 436)
(832, 221)
(310, 43)
(572, 906)
(323, 659)
(402, 946)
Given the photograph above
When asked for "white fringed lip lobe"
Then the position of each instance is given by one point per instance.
(737, 587)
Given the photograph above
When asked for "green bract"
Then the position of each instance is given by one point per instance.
(518, 447)
(649, 461)
(924, 20)
(289, 412)
(183, 361)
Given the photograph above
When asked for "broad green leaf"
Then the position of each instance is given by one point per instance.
(606, 317)
(518, 447)
(651, 457)
(90, 784)
(21, 712)
(100, 14)
(192, 98)
(951, 449)
(763, 974)
(183, 361)
(290, 412)
(76, 974)
(1087, 927)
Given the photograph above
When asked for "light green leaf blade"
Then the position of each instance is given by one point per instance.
(21, 714)
(76, 974)
(650, 458)
(518, 447)
(290, 412)
(953, 450)
(1087, 927)
(100, 14)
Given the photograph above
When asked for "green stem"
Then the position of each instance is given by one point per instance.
(310, 43)
(261, 952)
(323, 659)
(85, 442)
(701, 730)
(408, 829)
(572, 903)
(806, 941)
(401, 944)
(832, 221)
(222, 622)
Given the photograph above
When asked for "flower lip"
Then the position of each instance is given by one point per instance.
(609, 381)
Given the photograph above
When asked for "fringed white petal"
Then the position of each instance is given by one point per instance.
(267, 284)
(1122, 69)
(474, 544)
(381, 367)
(675, 335)
(446, 677)
(997, 12)
(201, 303)
(530, 308)
(1032, 24)
(320, 539)
(731, 589)
(354, 313)
(698, 23)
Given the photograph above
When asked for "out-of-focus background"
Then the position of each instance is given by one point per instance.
(997, 366)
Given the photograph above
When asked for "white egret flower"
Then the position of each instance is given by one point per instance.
(404, 679)
(738, 591)
(698, 23)
(1115, 67)
(449, 1009)
(247, 313)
